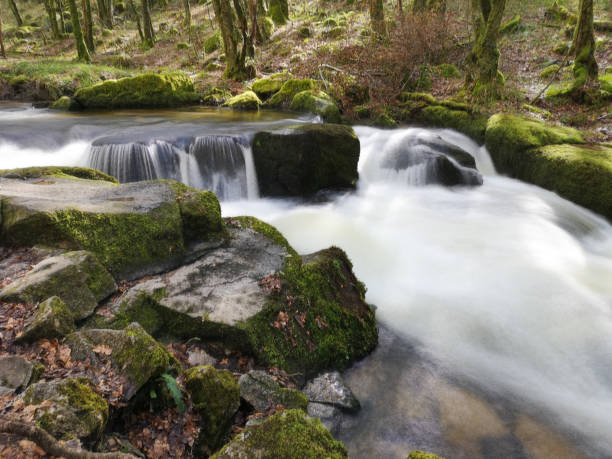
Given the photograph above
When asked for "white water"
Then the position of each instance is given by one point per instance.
(506, 285)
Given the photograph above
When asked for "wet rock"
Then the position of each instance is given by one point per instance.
(330, 416)
(330, 389)
(197, 357)
(262, 392)
(15, 373)
(52, 319)
(288, 433)
(216, 397)
(76, 277)
(133, 354)
(68, 408)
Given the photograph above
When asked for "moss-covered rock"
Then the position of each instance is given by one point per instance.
(422, 455)
(248, 100)
(304, 159)
(262, 392)
(57, 172)
(72, 409)
(216, 96)
(283, 435)
(52, 319)
(549, 71)
(216, 397)
(76, 277)
(285, 95)
(213, 43)
(142, 91)
(425, 109)
(266, 87)
(67, 104)
(316, 102)
(132, 352)
(132, 229)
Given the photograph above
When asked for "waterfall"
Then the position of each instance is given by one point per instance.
(222, 164)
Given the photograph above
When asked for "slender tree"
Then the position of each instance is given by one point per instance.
(15, 11)
(583, 45)
(82, 52)
(187, 8)
(105, 13)
(60, 10)
(147, 25)
(2, 51)
(483, 76)
(377, 17)
(88, 25)
(134, 12)
(50, 8)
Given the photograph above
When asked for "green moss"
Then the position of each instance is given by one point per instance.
(537, 110)
(58, 172)
(605, 82)
(512, 26)
(448, 71)
(248, 100)
(65, 103)
(268, 27)
(19, 81)
(278, 11)
(265, 87)
(316, 102)
(92, 409)
(422, 455)
(200, 214)
(549, 71)
(216, 397)
(286, 434)
(182, 45)
(213, 43)
(143, 91)
(288, 91)
(52, 319)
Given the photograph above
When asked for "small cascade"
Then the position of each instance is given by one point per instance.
(415, 157)
(222, 164)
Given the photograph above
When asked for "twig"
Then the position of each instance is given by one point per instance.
(552, 78)
(50, 444)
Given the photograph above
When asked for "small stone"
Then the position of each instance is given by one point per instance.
(51, 320)
(330, 416)
(197, 357)
(330, 389)
(262, 392)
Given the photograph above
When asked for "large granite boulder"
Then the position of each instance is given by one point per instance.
(76, 277)
(302, 160)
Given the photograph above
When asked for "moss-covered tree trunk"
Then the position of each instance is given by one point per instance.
(50, 8)
(105, 13)
(147, 25)
(15, 11)
(82, 52)
(279, 11)
(60, 10)
(231, 25)
(583, 46)
(483, 77)
(134, 12)
(377, 17)
(88, 25)
(253, 19)
(187, 9)
(2, 51)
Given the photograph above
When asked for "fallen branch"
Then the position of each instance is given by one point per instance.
(552, 79)
(48, 443)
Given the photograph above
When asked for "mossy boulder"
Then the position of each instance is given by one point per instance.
(69, 409)
(67, 104)
(52, 319)
(77, 278)
(422, 455)
(266, 87)
(248, 100)
(132, 353)
(143, 91)
(213, 43)
(289, 89)
(424, 109)
(302, 160)
(316, 102)
(132, 229)
(260, 390)
(57, 172)
(216, 397)
(286, 434)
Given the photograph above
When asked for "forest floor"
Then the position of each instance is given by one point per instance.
(330, 41)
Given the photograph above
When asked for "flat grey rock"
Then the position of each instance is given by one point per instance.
(15, 373)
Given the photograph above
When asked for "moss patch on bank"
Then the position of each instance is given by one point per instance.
(58, 172)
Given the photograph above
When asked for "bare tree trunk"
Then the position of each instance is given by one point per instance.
(187, 8)
(88, 25)
(15, 11)
(583, 45)
(377, 17)
(147, 25)
(2, 51)
(50, 8)
(82, 52)
(60, 11)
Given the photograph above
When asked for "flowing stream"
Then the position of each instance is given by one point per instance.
(495, 301)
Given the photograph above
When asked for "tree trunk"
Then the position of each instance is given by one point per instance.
(400, 7)
(147, 25)
(187, 13)
(82, 52)
(15, 11)
(50, 8)
(583, 45)
(137, 19)
(377, 17)
(253, 18)
(235, 60)
(88, 25)
(105, 13)
(60, 10)
(484, 76)
(2, 51)
(419, 5)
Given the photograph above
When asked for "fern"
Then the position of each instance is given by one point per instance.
(174, 391)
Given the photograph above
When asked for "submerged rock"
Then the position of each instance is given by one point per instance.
(216, 397)
(76, 277)
(15, 373)
(301, 160)
(52, 319)
(132, 352)
(286, 434)
(142, 91)
(68, 408)
(262, 392)
(133, 229)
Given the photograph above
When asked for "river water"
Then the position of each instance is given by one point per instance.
(495, 302)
